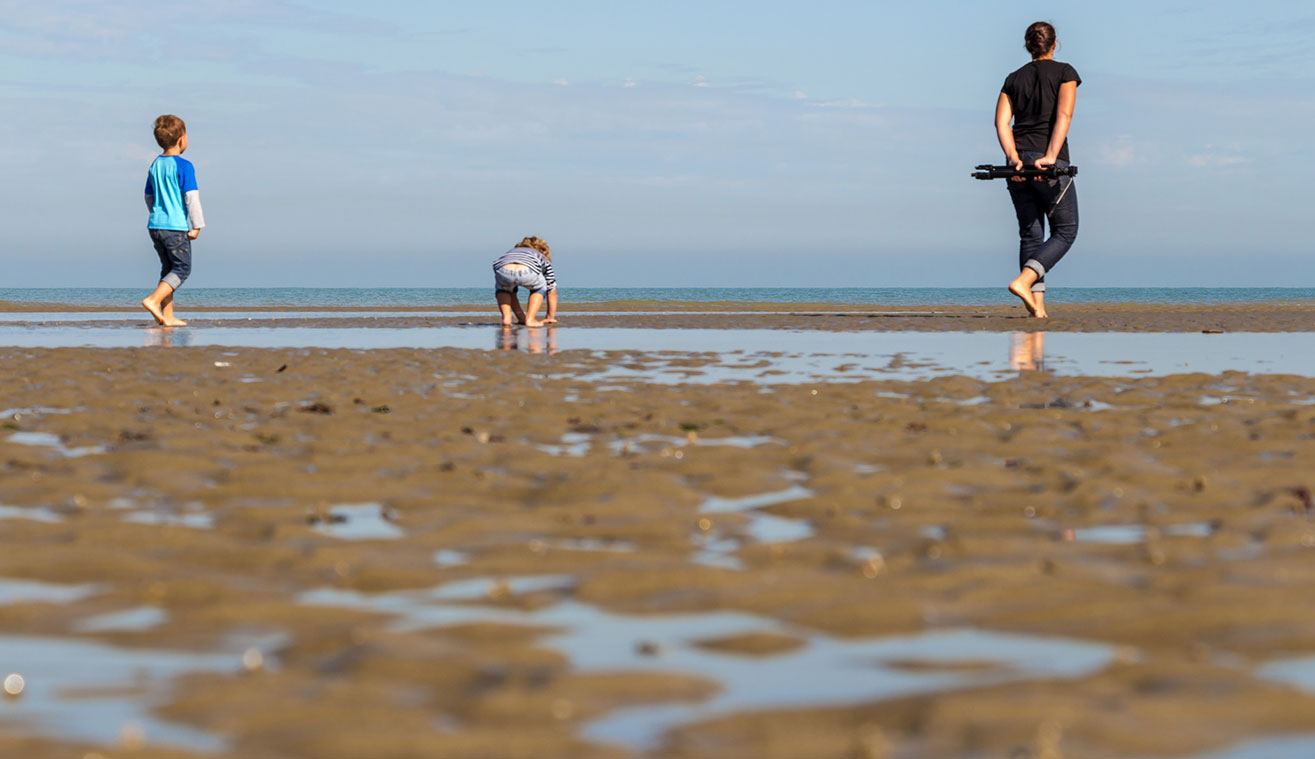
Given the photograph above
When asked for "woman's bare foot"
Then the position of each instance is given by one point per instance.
(533, 323)
(154, 309)
(1024, 292)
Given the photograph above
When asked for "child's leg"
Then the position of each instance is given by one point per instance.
(155, 301)
(167, 308)
(508, 305)
(532, 309)
(516, 307)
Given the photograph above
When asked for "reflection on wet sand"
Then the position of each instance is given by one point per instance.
(1027, 351)
(528, 339)
(167, 337)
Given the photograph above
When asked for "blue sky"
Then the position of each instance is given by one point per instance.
(677, 144)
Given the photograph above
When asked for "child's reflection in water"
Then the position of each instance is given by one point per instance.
(530, 340)
(167, 337)
(1027, 351)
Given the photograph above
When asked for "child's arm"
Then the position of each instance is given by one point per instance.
(551, 279)
(191, 197)
(150, 194)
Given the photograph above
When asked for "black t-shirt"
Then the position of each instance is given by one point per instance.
(1033, 91)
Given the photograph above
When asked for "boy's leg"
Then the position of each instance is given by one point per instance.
(167, 308)
(532, 309)
(175, 252)
(154, 303)
(505, 299)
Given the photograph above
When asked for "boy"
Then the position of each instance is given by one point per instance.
(176, 220)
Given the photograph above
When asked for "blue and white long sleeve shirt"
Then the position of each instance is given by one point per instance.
(531, 258)
(172, 195)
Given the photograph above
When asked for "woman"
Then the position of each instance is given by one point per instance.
(1038, 99)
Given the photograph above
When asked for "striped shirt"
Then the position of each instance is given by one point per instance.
(531, 258)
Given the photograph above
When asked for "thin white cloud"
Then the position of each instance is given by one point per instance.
(1120, 151)
(845, 103)
(561, 82)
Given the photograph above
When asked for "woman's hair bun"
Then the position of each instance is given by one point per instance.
(1039, 38)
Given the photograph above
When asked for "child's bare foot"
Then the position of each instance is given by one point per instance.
(533, 323)
(174, 322)
(154, 309)
(1023, 290)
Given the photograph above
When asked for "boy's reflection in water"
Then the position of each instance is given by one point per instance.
(167, 337)
(1027, 351)
(536, 340)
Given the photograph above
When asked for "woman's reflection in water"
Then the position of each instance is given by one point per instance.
(531, 340)
(1027, 351)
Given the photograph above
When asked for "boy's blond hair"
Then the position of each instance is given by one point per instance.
(537, 244)
(169, 129)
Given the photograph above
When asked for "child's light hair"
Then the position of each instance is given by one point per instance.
(169, 129)
(537, 244)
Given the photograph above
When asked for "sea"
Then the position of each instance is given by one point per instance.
(422, 297)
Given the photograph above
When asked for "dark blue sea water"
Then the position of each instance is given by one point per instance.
(421, 297)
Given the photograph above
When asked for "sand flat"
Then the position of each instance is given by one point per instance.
(1158, 525)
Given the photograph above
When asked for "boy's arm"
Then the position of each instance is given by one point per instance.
(191, 195)
(150, 195)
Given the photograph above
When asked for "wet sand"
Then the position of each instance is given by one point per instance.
(396, 542)
(1087, 317)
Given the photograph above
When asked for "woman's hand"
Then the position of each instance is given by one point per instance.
(1046, 161)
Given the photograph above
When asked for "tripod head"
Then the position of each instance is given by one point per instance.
(987, 171)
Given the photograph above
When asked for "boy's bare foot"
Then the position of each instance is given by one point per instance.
(1024, 292)
(154, 309)
(174, 323)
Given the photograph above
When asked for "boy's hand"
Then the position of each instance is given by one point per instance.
(193, 234)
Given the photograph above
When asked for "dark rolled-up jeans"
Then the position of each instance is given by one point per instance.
(175, 251)
(1035, 202)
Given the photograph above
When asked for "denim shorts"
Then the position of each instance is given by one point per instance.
(506, 281)
(175, 252)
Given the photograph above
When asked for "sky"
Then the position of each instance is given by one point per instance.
(676, 144)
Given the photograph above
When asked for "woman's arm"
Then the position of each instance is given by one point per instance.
(1004, 113)
(1068, 97)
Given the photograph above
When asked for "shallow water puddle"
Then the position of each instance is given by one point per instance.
(34, 513)
(1130, 534)
(718, 505)
(128, 620)
(445, 557)
(579, 443)
(823, 670)
(19, 413)
(194, 520)
(766, 356)
(364, 521)
(68, 682)
(1291, 747)
(52, 441)
(27, 591)
(1298, 672)
(715, 548)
